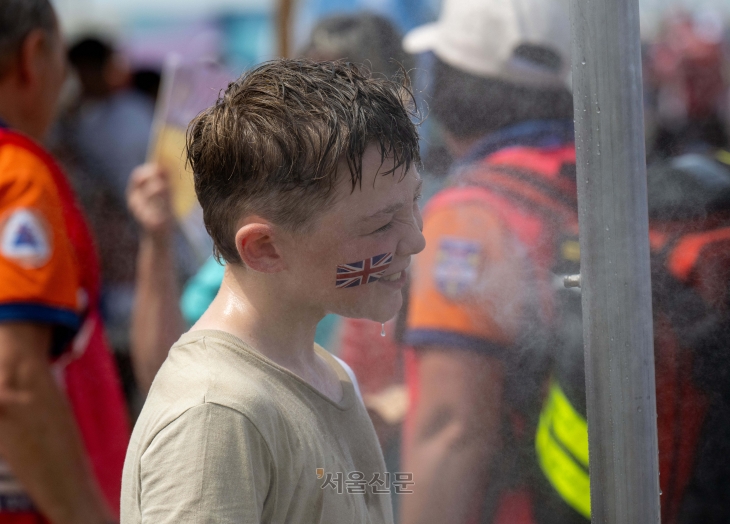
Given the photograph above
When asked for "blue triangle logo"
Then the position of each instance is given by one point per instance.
(25, 237)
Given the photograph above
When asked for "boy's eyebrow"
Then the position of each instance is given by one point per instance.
(387, 210)
(395, 207)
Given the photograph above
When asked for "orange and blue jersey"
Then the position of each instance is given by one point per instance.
(49, 275)
(481, 284)
(469, 287)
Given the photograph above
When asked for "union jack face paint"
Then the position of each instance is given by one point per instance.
(363, 272)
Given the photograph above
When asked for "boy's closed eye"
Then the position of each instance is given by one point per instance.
(389, 225)
(383, 229)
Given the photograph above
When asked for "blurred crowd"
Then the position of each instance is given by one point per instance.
(477, 386)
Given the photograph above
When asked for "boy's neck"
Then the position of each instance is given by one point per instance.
(279, 330)
(263, 319)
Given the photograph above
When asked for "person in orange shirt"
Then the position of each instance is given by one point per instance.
(481, 292)
(63, 422)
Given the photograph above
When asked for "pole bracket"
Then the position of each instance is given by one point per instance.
(571, 281)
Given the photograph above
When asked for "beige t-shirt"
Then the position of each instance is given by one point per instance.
(228, 436)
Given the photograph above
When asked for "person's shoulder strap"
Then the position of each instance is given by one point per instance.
(456, 195)
(549, 195)
(532, 178)
(684, 253)
(689, 281)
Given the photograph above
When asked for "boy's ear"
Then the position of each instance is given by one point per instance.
(257, 248)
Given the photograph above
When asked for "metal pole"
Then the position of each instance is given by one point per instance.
(615, 273)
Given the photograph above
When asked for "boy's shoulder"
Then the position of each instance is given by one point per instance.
(221, 416)
(212, 367)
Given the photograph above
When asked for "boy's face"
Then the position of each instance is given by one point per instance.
(370, 234)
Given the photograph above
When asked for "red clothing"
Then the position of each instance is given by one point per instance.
(372, 357)
(49, 274)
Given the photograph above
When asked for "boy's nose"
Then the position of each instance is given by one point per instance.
(414, 242)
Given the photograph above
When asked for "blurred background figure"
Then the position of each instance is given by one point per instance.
(108, 125)
(689, 210)
(364, 38)
(63, 422)
(482, 300)
(686, 112)
(101, 135)
(686, 85)
(402, 14)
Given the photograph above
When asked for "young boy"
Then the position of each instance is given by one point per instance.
(305, 172)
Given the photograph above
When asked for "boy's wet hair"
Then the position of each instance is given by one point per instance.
(272, 143)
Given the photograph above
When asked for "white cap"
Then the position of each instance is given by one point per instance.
(481, 36)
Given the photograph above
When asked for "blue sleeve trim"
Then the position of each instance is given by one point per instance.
(450, 339)
(66, 322)
(21, 311)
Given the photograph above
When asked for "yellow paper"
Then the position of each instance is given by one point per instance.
(187, 89)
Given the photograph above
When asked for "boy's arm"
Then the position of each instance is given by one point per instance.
(38, 436)
(157, 322)
(210, 465)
